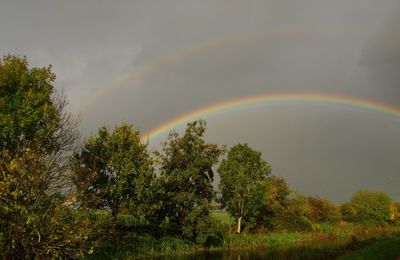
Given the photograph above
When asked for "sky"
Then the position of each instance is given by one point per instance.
(148, 62)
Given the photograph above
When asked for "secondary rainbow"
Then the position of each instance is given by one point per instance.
(180, 54)
(159, 61)
(278, 98)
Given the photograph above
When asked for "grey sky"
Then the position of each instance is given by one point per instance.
(217, 50)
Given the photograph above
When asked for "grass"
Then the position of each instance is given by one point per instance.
(386, 247)
(325, 241)
(130, 245)
(244, 240)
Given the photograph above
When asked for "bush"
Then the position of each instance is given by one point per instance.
(322, 210)
(202, 228)
(294, 217)
(348, 212)
(395, 213)
(371, 207)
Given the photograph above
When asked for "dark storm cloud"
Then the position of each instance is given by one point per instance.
(381, 56)
(327, 150)
(266, 46)
(217, 50)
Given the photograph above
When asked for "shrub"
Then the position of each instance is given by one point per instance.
(202, 228)
(348, 212)
(294, 217)
(322, 210)
(371, 207)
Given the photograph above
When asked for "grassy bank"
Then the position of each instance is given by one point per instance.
(336, 240)
(385, 247)
(326, 240)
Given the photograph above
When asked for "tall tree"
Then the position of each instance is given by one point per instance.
(242, 175)
(36, 139)
(113, 169)
(186, 177)
(30, 113)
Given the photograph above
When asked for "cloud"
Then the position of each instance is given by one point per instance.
(381, 55)
(183, 55)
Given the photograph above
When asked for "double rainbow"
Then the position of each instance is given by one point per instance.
(278, 98)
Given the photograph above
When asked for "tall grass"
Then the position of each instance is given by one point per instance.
(134, 241)
(133, 245)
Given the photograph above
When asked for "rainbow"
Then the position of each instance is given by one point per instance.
(177, 55)
(159, 61)
(278, 98)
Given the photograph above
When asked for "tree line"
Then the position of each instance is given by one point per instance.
(53, 184)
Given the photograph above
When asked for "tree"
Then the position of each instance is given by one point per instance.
(276, 199)
(242, 176)
(36, 139)
(113, 169)
(395, 213)
(348, 212)
(295, 215)
(186, 177)
(371, 206)
(30, 113)
(320, 210)
(34, 221)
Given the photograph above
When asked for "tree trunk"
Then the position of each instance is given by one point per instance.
(114, 213)
(114, 221)
(239, 226)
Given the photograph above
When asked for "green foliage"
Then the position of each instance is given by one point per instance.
(36, 137)
(373, 207)
(114, 169)
(241, 185)
(200, 226)
(305, 213)
(386, 247)
(277, 192)
(185, 183)
(295, 216)
(26, 107)
(224, 217)
(395, 213)
(348, 212)
(322, 210)
(132, 245)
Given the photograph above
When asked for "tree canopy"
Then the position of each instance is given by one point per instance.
(242, 175)
(36, 138)
(186, 177)
(113, 168)
(370, 206)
